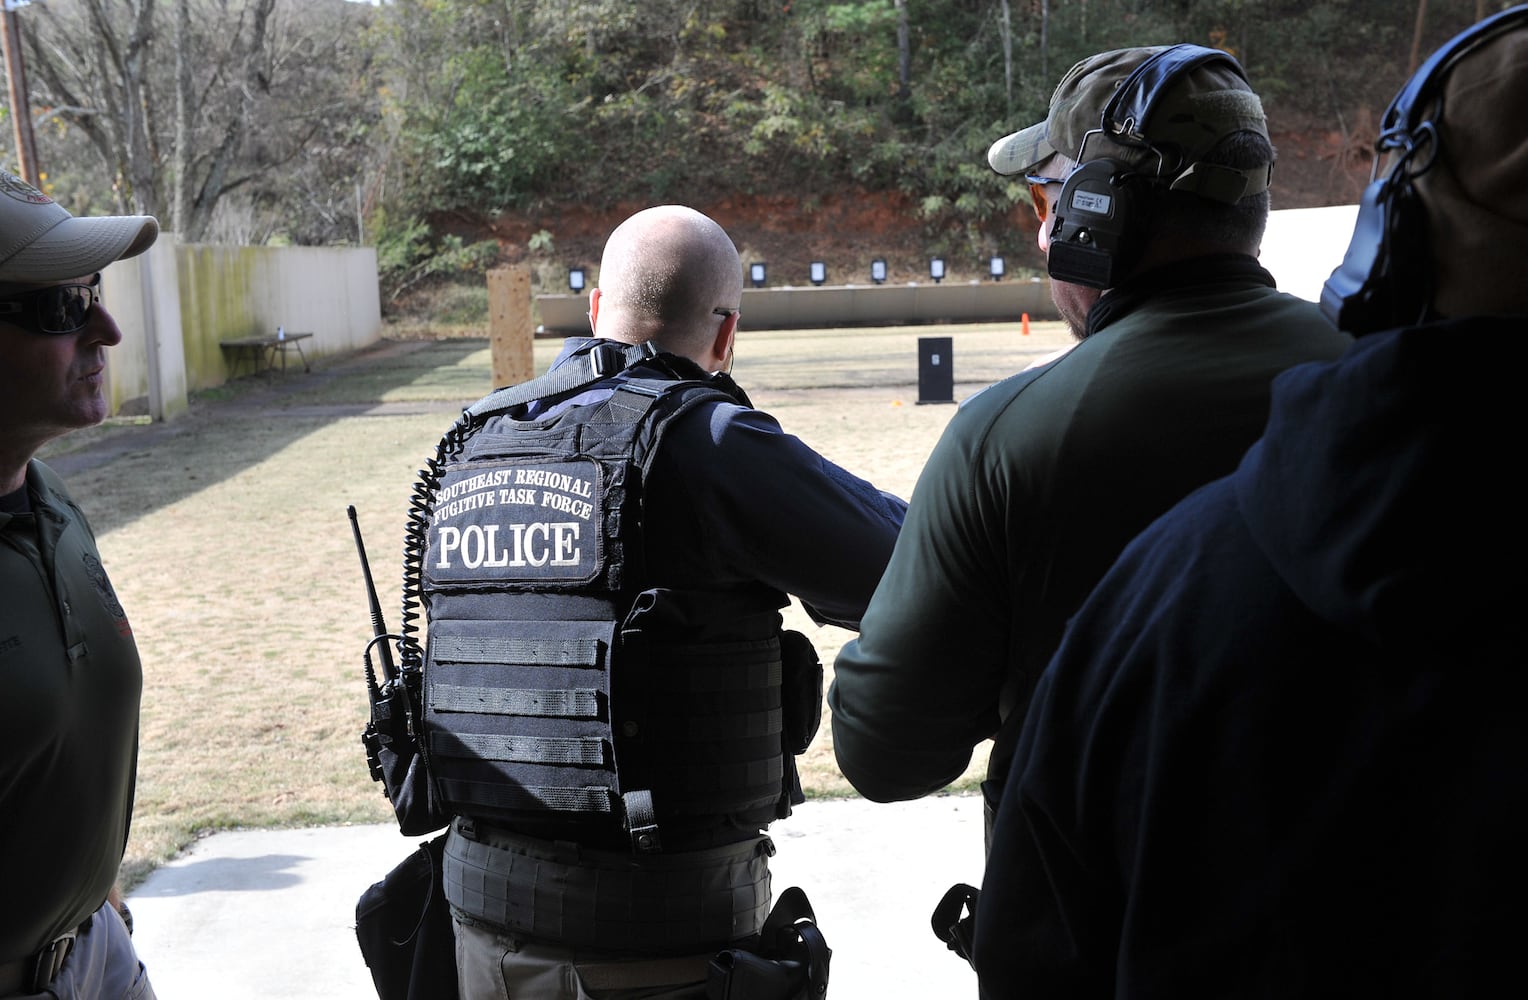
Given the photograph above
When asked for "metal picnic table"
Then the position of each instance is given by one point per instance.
(262, 351)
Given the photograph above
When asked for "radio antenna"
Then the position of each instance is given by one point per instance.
(378, 628)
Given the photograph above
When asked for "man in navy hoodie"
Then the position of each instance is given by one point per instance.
(1281, 749)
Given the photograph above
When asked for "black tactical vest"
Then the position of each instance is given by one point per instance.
(558, 683)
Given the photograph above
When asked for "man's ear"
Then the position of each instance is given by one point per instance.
(594, 307)
(726, 335)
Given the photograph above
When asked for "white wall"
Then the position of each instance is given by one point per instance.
(329, 292)
(176, 302)
(141, 295)
(1303, 246)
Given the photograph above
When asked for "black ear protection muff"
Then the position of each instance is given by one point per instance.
(1094, 235)
(1098, 231)
(1384, 279)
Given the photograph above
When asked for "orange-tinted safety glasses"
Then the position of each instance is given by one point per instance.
(1037, 185)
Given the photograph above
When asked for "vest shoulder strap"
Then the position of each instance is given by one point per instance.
(605, 359)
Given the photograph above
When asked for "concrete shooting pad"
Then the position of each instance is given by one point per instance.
(271, 913)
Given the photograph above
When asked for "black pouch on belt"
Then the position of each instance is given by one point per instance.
(789, 962)
(403, 925)
(801, 690)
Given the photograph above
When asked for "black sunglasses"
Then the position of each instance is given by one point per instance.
(56, 310)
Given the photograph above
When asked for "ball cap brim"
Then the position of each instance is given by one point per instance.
(41, 241)
(1193, 114)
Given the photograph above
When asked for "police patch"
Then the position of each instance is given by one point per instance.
(517, 522)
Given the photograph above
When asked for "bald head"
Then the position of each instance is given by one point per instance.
(664, 273)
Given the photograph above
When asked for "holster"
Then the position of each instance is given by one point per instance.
(788, 962)
(954, 919)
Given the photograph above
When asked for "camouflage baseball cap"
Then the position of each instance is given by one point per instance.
(1196, 110)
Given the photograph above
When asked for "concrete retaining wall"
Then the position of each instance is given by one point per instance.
(228, 292)
(828, 306)
(149, 364)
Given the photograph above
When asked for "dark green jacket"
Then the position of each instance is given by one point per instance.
(1035, 487)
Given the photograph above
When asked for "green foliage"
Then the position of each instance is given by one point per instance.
(783, 133)
(407, 255)
(856, 44)
(399, 245)
(503, 137)
(518, 104)
(462, 304)
(418, 107)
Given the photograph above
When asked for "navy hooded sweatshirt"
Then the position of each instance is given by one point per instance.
(1281, 751)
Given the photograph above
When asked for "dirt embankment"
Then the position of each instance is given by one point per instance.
(1317, 166)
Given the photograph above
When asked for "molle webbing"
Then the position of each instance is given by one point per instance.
(577, 702)
(608, 901)
(713, 725)
(522, 716)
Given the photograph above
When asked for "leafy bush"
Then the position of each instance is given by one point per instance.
(408, 256)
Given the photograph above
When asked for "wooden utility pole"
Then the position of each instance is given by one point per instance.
(21, 103)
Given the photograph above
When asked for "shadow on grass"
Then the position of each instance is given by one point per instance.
(128, 469)
(244, 422)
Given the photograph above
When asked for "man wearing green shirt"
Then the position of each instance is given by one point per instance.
(69, 668)
(1040, 480)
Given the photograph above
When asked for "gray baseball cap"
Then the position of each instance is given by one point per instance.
(41, 241)
(1195, 111)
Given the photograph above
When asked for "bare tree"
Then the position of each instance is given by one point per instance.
(90, 67)
(256, 85)
(220, 170)
(1005, 36)
(21, 102)
(1416, 37)
(180, 168)
(904, 53)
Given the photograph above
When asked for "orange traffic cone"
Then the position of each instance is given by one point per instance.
(1024, 324)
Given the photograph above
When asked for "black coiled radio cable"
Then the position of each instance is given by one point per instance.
(415, 535)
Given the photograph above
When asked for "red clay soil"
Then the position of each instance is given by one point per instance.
(1315, 168)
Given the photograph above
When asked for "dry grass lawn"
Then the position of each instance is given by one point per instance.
(225, 533)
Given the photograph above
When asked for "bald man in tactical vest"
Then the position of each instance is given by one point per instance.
(610, 706)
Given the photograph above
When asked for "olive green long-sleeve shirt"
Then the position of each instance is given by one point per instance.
(1034, 488)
